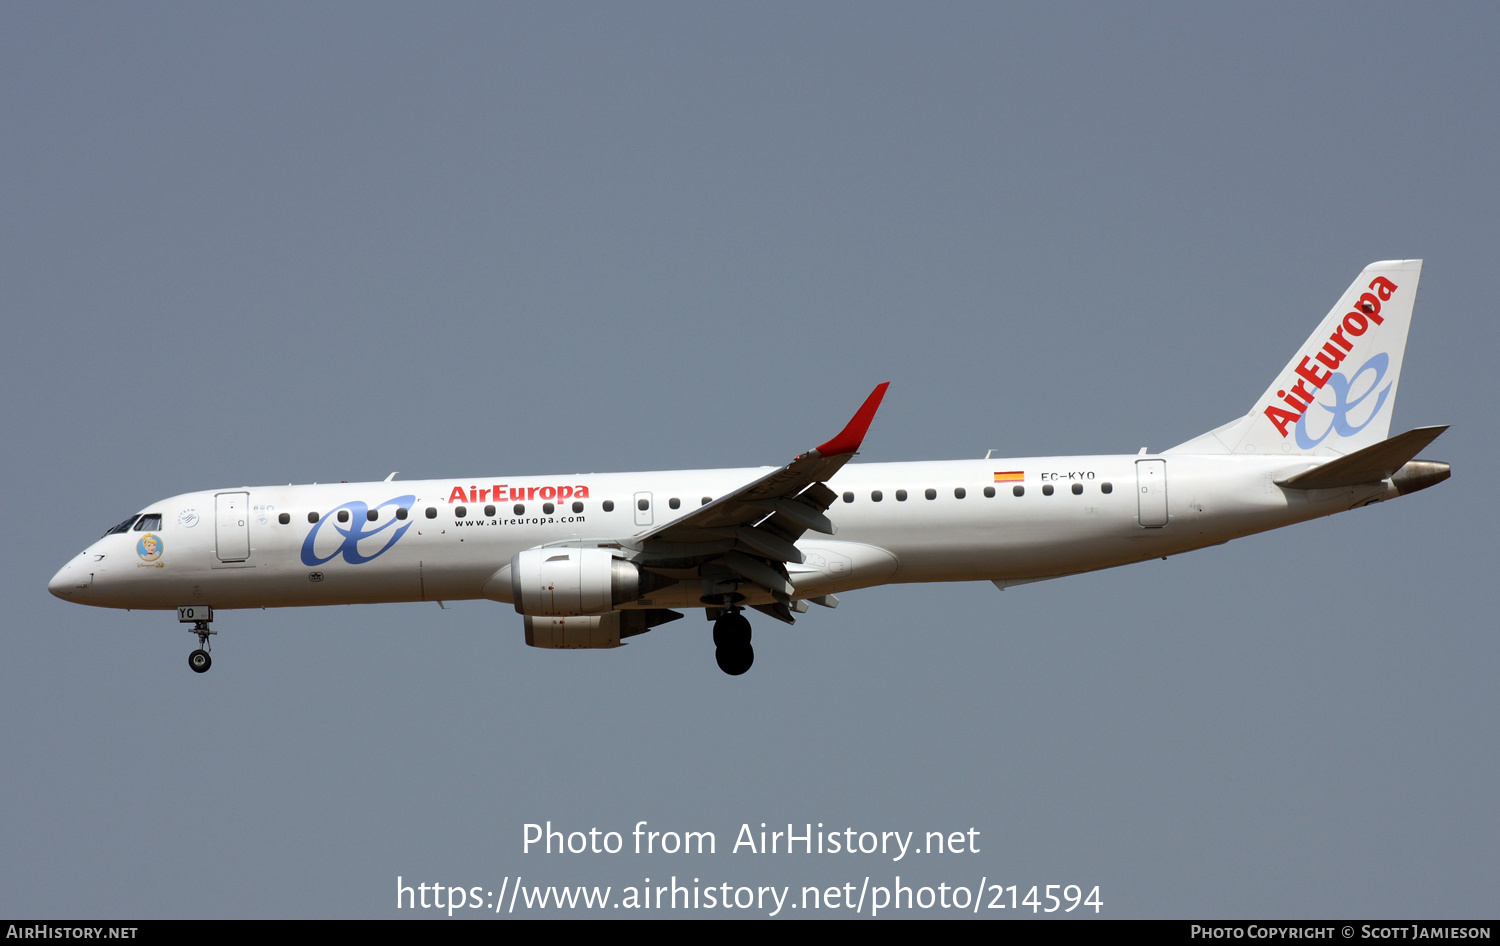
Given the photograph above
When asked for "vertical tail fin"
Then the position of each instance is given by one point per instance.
(1337, 393)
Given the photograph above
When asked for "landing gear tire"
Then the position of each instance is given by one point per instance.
(731, 631)
(735, 660)
(198, 660)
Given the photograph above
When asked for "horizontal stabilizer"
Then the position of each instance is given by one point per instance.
(1370, 465)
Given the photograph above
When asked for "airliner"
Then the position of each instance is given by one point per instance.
(593, 560)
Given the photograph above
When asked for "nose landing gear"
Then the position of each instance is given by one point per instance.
(198, 616)
(200, 661)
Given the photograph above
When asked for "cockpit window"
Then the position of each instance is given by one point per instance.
(122, 527)
(150, 522)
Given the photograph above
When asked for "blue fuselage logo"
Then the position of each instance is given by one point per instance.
(362, 538)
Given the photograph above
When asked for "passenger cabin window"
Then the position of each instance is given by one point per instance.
(343, 515)
(1018, 491)
(643, 504)
(489, 511)
(900, 495)
(547, 508)
(401, 512)
(284, 518)
(519, 509)
(1077, 489)
(431, 512)
(1106, 487)
(609, 505)
(150, 522)
(122, 527)
(1047, 489)
(931, 494)
(372, 514)
(706, 500)
(312, 517)
(989, 492)
(459, 512)
(876, 496)
(959, 493)
(578, 507)
(848, 497)
(674, 502)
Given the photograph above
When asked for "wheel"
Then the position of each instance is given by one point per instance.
(732, 630)
(735, 660)
(200, 661)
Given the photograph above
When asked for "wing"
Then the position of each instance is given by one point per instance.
(749, 534)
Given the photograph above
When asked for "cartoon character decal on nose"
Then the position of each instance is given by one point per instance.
(149, 548)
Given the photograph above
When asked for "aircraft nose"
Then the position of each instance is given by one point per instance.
(65, 584)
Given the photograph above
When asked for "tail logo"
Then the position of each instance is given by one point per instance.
(1343, 404)
(1323, 371)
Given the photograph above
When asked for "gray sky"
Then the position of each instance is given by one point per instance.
(283, 243)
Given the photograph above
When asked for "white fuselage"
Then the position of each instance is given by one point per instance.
(590, 560)
(230, 548)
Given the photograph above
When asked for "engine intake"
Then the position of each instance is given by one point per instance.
(573, 581)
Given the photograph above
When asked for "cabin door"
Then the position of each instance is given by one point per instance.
(232, 526)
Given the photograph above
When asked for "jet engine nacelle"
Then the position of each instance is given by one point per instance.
(593, 630)
(571, 633)
(571, 581)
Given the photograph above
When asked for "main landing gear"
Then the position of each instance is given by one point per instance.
(198, 616)
(732, 640)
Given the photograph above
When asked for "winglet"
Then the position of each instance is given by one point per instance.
(853, 434)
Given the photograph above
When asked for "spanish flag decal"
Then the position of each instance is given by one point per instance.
(1013, 476)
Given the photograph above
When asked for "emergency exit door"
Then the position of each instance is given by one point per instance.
(1151, 492)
